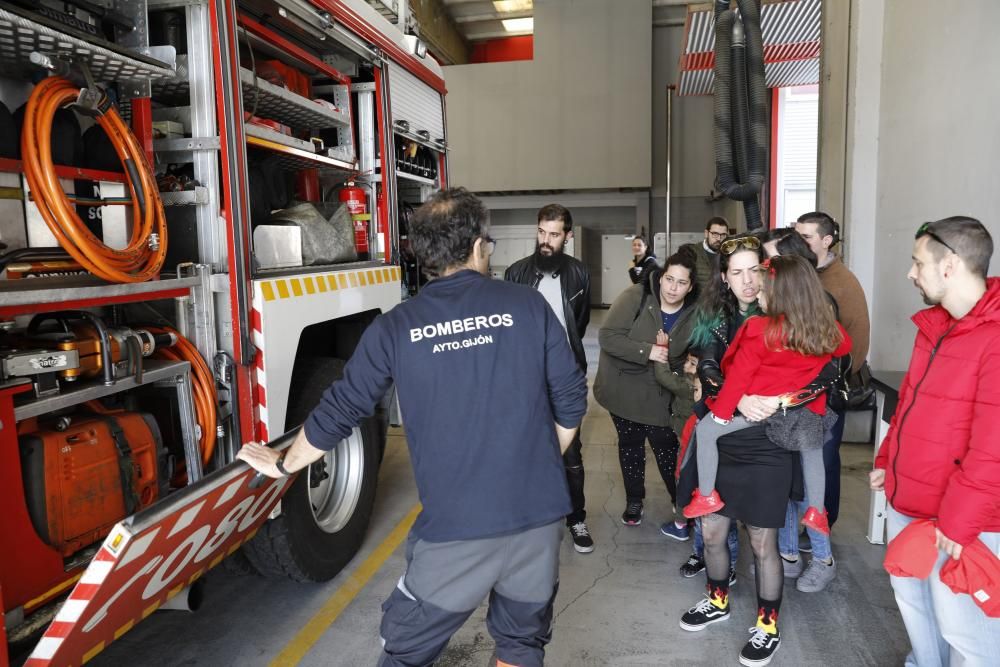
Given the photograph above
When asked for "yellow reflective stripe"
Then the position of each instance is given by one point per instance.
(353, 278)
(282, 288)
(362, 279)
(310, 288)
(321, 283)
(267, 290)
(342, 279)
(122, 630)
(296, 287)
(332, 281)
(89, 655)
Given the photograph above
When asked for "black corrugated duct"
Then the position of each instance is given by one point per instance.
(740, 106)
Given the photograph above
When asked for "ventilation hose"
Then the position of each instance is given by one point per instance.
(740, 106)
(143, 258)
(203, 387)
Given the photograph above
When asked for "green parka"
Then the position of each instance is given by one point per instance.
(626, 382)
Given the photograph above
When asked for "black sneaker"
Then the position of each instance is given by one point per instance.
(760, 648)
(692, 566)
(703, 615)
(582, 541)
(732, 577)
(632, 516)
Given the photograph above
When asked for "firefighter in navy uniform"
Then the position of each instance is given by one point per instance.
(492, 395)
(565, 283)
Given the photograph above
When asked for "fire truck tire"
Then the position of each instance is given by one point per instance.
(325, 513)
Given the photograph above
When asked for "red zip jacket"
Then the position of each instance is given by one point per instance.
(942, 452)
(750, 367)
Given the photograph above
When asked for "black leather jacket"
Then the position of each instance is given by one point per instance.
(575, 281)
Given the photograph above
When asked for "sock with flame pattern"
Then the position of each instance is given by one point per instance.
(718, 592)
(767, 615)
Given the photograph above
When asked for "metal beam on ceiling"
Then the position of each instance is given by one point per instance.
(492, 16)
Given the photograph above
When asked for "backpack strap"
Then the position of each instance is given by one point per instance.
(642, 306)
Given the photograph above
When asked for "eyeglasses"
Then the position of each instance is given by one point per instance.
(732, 245)
(491, 244)
(925, 230)
(718, 235)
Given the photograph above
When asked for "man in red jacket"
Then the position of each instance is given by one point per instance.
(941, 457)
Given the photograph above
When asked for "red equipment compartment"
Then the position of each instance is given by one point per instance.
(79, 482)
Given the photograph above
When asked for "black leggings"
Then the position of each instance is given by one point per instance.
(632, 438)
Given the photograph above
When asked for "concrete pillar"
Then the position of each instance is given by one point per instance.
(862, 144)
(833, 93)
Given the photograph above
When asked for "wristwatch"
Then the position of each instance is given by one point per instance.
(280, 463)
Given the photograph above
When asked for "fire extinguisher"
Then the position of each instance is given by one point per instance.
(357, 203)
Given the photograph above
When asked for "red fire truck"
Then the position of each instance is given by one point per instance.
(202, 206)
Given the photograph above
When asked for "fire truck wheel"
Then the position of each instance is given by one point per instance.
(325, 513)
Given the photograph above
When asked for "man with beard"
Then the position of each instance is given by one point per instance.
(565, 283)
(706, 253)
(940, 459)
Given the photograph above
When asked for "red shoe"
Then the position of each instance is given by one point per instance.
(816, 520)
(701, 505)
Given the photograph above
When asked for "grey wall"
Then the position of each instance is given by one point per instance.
(575, 117)
(935, 147)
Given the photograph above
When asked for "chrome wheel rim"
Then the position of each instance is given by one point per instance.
(333, 498)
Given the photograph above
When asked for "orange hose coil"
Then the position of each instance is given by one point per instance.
(203, 385)
(135, 263)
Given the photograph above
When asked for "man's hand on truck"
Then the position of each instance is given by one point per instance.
(260, 458)
(274, 463)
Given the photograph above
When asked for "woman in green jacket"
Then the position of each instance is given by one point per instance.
(626, 383)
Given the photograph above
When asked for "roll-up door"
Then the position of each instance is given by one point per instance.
(413, 101)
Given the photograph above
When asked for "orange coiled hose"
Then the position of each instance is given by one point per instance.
(203, 385)
(138, 262)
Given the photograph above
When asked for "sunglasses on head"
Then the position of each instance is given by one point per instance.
(925, 230)
(732, 245)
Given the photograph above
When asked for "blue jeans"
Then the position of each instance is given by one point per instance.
(944, 628)
(831, 462)
(733, 538)
(788, 535)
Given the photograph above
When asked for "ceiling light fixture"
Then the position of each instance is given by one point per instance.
(505, 6)
(519, 25)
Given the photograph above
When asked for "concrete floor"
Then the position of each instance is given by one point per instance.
(616, 606)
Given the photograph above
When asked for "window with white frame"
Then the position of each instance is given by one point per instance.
(798, 130)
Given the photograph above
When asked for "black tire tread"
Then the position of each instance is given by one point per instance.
(272, 552)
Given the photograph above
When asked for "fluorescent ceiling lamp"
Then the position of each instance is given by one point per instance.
(519, 25)
(504, 6)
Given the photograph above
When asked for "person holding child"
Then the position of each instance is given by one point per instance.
(755, 475)
(774, 355)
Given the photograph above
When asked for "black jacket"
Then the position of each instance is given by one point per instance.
(575, 281)
(638, 273)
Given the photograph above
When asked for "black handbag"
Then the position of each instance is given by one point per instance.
(860, 392)
(852, 391)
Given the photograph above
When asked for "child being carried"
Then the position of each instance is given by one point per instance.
(771, 355)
